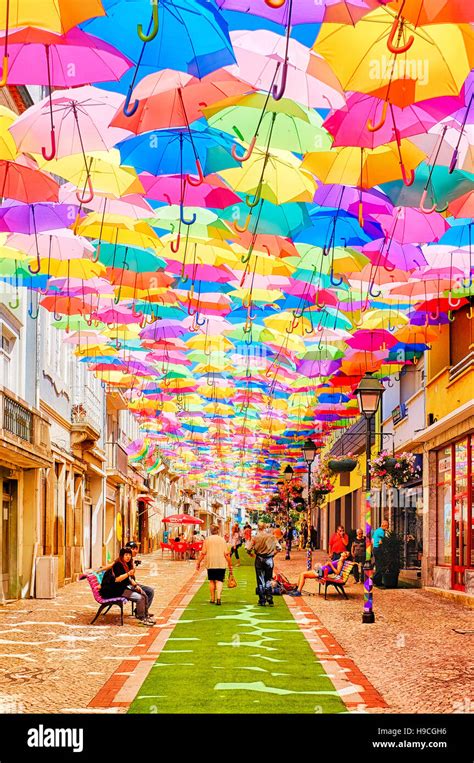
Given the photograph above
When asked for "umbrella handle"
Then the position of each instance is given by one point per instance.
(168, 199)
(443, 209)
(390, 42)
(275, 3)
(372, 293)
(434, 316)
(3, 80)
(86, 199)
(198, 322)
(246, 257)
(278, 91)
(247, 154)
(422, 208)
(361, 214)
(16, 304)
(183, 220)
(408, 179)
(374, 128)
(391, 328)
(48, 157)
(95, 257)
(174, 245)
(318, 304)
(128, 110)
(453, 162)
(335, 282)
(30, 312)
(470, 314)
(36, 270)
(244, 227)
(451, 317)
(389, 269)
(256, 200)
(200, 179)
(455, 302)
(151, 36)
(467, 283)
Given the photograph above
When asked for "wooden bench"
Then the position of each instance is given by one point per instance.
(105, 604)
(338, 581)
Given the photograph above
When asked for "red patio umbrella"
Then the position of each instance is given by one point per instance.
(183, 519)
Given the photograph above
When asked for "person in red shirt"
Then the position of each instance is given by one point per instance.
(338, 543)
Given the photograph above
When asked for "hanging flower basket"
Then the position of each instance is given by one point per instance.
(338, 465)
(393, 471)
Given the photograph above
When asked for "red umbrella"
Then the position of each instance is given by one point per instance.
(183, 519)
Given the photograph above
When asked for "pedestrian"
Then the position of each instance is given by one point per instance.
(304, 533)
(377, 540)
(265, 547)
(236, 542)
(289, 537)
(313, 537)
(216, 555)
(119, 581)
(150, 592)
(358, 555)
(338, 543)
(321, 571)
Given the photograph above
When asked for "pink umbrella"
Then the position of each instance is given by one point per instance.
(132, 205)
(77, 122)
(213, 194)
(408, 225)
(38, 57)
(391, 254)
(378, 339)
(354, 124)
(263, 57)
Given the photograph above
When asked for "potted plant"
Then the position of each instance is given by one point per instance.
(323, 484)
(391, 549)
(338, 464)
(393, 471)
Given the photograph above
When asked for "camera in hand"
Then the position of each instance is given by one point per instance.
(137, 562)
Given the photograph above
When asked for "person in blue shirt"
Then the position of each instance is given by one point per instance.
(377, 540)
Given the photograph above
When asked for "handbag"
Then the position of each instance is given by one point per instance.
(231, 583)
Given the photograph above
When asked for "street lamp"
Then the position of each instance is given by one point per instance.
(288, 476)
(309, 453)
(369, 394)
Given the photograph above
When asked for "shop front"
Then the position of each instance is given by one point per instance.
(454, 511)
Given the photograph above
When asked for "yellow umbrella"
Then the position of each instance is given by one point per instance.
(201, 342)
(117, 229)
(106, 175)
(198, 251)
(342, 260)
(262, 263)
(436, 62)
(79, 268)
(8, 149)
(363, 167)
(285, 320)
(267, 296)
(273, 175)
(55, 15)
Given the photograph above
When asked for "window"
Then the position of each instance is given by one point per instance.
(444, 506)
(461, 336)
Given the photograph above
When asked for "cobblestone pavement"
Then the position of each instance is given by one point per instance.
(411, 654)
(53, 661)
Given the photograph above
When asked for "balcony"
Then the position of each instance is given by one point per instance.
(84, 431)
(117, 462)
(24, 433)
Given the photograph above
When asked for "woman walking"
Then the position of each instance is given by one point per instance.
(217, 558)
(236, 541)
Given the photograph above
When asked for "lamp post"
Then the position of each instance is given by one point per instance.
(288, 476)
(309, 453)
(369, 394)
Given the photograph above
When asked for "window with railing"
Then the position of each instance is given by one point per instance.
(17, 419)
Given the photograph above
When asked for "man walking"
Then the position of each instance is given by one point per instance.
(265, 547)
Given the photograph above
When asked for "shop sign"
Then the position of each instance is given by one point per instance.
(399, 413)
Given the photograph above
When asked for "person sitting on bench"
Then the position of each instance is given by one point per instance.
(321, 571)
(118, 581)
(150, 592)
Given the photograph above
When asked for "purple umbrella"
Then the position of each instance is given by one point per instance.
(36, 218)
(303, 11)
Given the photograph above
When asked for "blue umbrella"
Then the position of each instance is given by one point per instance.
(337, 228)
(179, 151)
(460, 235)
(185, 35)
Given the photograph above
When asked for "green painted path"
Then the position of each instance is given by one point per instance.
(237, 658)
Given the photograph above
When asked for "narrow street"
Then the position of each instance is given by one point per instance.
(306, 655)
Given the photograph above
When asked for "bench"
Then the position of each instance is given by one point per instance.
(338, 581)
(105, 604)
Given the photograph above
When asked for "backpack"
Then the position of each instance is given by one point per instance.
(284, 582)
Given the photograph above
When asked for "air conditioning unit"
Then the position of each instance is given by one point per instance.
(46, 579)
